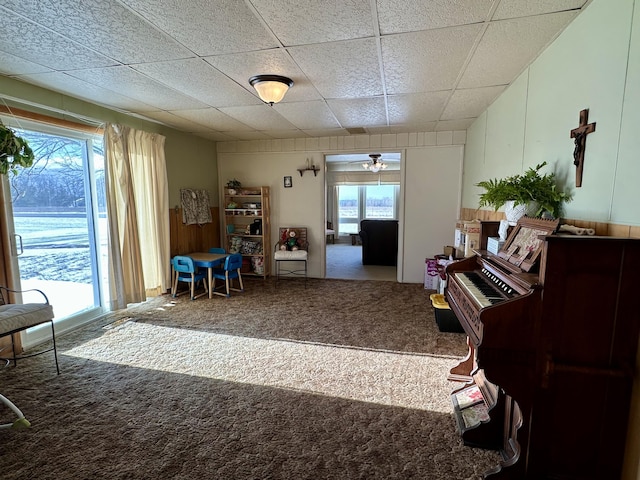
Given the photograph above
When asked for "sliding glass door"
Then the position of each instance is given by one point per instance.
(58, 229)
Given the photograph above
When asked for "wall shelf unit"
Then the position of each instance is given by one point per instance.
(246, 228)
(313, 169)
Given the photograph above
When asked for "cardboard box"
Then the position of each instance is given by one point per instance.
(458, 238)
(494, 244)
(472, 240)
(431, 274)
(472, 226)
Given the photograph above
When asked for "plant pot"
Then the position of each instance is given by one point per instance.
(514, 213)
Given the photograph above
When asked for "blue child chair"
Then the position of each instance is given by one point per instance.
(185, 271)
(228, 272)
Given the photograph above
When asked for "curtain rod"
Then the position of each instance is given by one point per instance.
(41, 118)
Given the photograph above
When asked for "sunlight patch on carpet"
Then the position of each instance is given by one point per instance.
(388, 378)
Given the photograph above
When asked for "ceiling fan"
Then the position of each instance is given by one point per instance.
(375, 164)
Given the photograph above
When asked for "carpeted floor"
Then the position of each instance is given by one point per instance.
(341, 380)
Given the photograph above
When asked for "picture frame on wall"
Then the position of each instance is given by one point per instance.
(288, 182)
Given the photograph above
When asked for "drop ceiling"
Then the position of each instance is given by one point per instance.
(358, 66)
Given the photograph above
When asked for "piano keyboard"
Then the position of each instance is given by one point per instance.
(485, 288)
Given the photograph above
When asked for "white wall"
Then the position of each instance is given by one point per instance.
(594, 64)
(430, 194)
(431, 204)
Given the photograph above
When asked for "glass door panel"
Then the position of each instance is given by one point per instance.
(348, 209)
(59, 221)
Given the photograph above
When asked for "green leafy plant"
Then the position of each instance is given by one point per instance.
(530, 186)
(14, 151)
(233, 184)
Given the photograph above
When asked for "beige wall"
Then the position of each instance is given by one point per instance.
(430, 202)
(594, 64)
(191, 160)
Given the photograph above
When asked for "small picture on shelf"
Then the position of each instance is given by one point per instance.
(288, 182)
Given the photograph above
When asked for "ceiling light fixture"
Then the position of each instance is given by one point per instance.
(271, 88)
(375, 165)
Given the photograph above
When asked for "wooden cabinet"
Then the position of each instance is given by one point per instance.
(246, 228)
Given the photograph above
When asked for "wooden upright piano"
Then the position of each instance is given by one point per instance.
(552, 323)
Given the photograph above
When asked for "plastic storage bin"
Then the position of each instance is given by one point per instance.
(445, 318)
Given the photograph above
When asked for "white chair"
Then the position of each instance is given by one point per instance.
(292, 247)
(15, 318)
(330, 232)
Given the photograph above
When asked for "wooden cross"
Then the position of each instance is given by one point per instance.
(580, 136)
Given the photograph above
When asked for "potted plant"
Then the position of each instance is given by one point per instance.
(233, 185)
(530, 189)
(14, 151)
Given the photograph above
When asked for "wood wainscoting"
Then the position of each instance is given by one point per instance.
(601, 228)
(193, 238)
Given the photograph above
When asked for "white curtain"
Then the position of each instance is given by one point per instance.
(138, 211)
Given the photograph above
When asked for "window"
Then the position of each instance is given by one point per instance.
(59, 219)
(358, 202)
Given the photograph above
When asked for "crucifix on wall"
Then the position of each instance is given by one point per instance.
(580, 139)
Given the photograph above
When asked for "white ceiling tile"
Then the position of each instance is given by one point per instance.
(359, 112)
(378, 130)
(397, 16)
(347, 69)
(212, 118)
(508, 46)
(259, 117)
(198, 79)
(175, 121)
(428, 60)
(251, 135)
(216, 136)
(207, 28)
(12, 65)
(242, 66)
(321, 133)
(386, 79)
(75, 87)
(104, 26)
(285, 133)
(470, 103)
(29, 41)
(137, 86)
(416, 108)
(308, 115)
(522, 8)
(299, 22)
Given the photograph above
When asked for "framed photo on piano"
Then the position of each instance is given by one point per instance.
(524, 244)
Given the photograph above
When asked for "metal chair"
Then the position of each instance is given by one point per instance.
(228, 272)
(15, 318)
(185, 271)
(288, 250)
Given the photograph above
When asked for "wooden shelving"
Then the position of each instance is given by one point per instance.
(313, 169)
(246, 228)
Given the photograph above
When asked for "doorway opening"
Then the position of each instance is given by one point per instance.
(353, 194)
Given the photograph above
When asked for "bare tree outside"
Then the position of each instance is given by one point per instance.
(51, 206)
